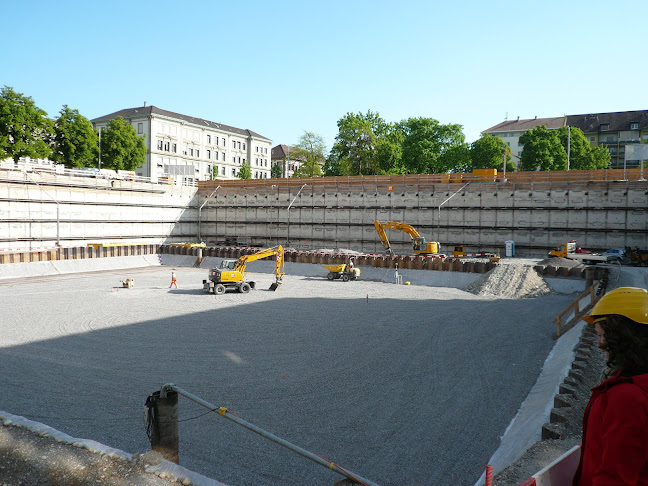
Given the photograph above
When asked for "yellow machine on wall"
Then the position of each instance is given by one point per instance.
(419, 245)
(230, 274)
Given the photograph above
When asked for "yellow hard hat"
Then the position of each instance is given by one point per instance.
(630, 302)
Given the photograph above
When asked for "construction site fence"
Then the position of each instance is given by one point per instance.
(397, 182)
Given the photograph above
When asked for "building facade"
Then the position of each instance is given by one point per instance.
(281, 155)
(613, 130)
(181, 147)
(511, 130)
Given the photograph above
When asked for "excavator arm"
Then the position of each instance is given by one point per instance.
(380, 229)
(278, 251)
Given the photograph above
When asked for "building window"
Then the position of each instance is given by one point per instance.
(233, 172)
(209, 154)
(166, 146)
(216, 155)
(605, 127)
(243, 145)
(634, 126)
(239, 145)
(239, 159)
(223, 171)
(223, 142)
(223, 154)
(159, 145)
(197, 152)
(174, 148)
(233, 144)
(256, 149)
(208, 138)
(140, 128)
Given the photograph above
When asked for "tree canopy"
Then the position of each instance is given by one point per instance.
(487, 152)
(121, 148)
(25, 130)
(310, 152)
(245, 172)
(542, 150)
(431, 147)
(582, 156)
(547, 150)
(276, 171)
(354, 148)
(76, 144)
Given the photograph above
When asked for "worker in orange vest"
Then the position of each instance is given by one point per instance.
(173, 280)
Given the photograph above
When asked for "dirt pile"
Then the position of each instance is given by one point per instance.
(510, 281)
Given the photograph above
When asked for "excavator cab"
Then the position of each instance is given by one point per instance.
(228, 264)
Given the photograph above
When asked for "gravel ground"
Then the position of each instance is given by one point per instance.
(26, 458)
(400, 384)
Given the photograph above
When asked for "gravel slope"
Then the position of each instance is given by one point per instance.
(401, 384)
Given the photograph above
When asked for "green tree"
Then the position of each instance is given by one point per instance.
(121, 148)
(276, 172)
(354, 150)
(426, 143)
(389, 151)
(582, 156)
(25, 130)
(310, 152)
(245, 172)
(542, 150)
(76, 144)
(487, 152)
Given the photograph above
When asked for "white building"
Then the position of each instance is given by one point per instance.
(183, 147)
(511, 130)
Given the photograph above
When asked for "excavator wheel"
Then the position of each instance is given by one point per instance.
(244, 288)
(219, 289)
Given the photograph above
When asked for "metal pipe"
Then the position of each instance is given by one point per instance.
(200, 211)
(223, 412)
(447, 199)
(291, 203)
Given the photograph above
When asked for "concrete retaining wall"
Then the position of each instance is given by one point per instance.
(40, 209)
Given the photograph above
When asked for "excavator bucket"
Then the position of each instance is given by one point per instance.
(276, 285)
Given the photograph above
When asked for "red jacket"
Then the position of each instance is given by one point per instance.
(614, 450)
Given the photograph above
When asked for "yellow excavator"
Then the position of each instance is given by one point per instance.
(419, 245)
(230, 274)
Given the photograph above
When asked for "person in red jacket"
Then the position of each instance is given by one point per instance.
(614, 448)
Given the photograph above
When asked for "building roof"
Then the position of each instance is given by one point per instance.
(281, 151)
(617, 121)
(154, 110)
(524, 125)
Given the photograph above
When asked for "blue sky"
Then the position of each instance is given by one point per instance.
(283, 67)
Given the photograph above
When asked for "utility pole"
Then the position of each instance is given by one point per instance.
(568, 144)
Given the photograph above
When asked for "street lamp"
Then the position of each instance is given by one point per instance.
(289, 206)
(200, 210)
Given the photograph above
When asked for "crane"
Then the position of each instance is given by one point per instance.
(419, 245)
(231, 273)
